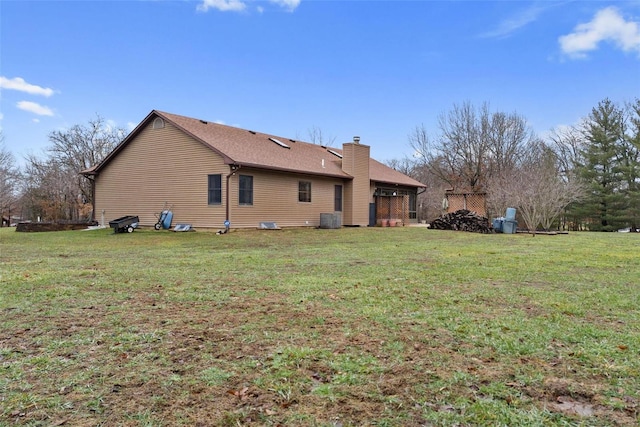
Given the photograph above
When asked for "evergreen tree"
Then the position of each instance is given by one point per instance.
(606, 204)
(631, 164)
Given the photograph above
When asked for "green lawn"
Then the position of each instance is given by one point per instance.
(352, 327)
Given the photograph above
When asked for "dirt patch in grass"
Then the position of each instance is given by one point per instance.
(195, 364)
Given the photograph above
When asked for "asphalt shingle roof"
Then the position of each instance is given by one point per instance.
(255, 149)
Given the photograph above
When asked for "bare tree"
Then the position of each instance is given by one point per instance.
(507, 171)
(9, 181)
(405, 165)
(464, 145)
(316, 136)
(567, 143)
(429, 163)
(54, 189)
(539, 191)
(421, 144)
(83, 146)
(51, 192)
(476, 151)
(473, 146)
(510, 141)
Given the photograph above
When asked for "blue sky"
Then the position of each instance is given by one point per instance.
(376, 69)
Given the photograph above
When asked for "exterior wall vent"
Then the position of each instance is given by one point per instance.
(158, 123)
(280, 143)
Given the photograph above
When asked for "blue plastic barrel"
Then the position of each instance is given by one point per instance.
(511, 213)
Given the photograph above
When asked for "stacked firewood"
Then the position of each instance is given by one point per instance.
(462, 220)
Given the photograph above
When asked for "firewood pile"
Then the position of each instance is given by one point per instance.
(462, 220)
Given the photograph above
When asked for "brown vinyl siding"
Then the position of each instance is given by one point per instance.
(357, 192)
(158, 166)
(275, 198)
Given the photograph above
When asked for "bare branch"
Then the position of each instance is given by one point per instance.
(316, 136)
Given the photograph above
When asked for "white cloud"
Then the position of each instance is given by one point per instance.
(290, 5)
(241, 5)
(222, 5)
(34, 108)
(510, 25)
(19, 84)
(110, 124)
(607, 25)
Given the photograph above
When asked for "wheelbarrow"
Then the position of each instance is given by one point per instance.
(164, 218)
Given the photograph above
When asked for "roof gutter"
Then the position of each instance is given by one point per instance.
(294, 171)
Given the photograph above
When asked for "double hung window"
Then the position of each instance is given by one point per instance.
(215, 189)
(245, 190)
(304, 191)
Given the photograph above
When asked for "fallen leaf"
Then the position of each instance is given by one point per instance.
(240, 394)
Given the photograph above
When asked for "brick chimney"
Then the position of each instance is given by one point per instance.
(355, 162)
